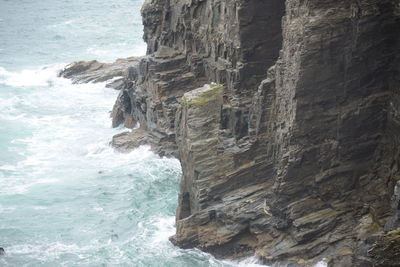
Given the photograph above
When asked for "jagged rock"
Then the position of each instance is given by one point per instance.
(294, 155)
(386, 250)
(307, 143)
(94, 71)
(127, 141)
(394, 222)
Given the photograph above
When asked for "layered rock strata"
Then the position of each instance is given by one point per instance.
(93, 71)
(285, 117)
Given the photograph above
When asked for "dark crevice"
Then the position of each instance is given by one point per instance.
(184, 206)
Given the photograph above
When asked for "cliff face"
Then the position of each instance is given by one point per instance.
(293, 153)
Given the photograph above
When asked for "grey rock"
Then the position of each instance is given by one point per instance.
(394, 222)
(94, 71)
(293, 153)
(126, 141)
(386, 250)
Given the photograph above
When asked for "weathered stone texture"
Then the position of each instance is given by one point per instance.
(313, 160)
(94, 71)
(293, 153)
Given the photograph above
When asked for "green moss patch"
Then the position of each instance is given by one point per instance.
(203, 98)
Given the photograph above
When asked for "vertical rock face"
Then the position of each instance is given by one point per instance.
(293, 153)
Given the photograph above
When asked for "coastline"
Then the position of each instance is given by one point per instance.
(288, 159)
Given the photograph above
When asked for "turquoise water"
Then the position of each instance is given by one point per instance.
(66, 197)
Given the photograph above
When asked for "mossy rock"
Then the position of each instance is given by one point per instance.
(204, 97)
(184, 101)
(393, 236)
(386, 251)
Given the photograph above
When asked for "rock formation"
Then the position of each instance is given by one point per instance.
(285, 116)
(94, 71)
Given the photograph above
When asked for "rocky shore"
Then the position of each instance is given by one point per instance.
(285, 116)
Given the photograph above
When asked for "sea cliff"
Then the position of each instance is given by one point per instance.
(285, 116)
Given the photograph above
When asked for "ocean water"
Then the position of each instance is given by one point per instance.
(66, 197)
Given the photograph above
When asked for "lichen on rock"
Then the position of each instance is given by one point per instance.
(203, 96)
(386, 250)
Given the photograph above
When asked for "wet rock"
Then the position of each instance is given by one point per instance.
(127, 141)
(2, 251)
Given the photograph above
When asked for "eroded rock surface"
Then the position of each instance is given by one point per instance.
(386, 250)
(94, 71)
(285, 117)
(129, 140)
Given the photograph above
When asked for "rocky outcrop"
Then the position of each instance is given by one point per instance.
(127, 141)
(117, 75)
(285, 117)
(94, 71)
